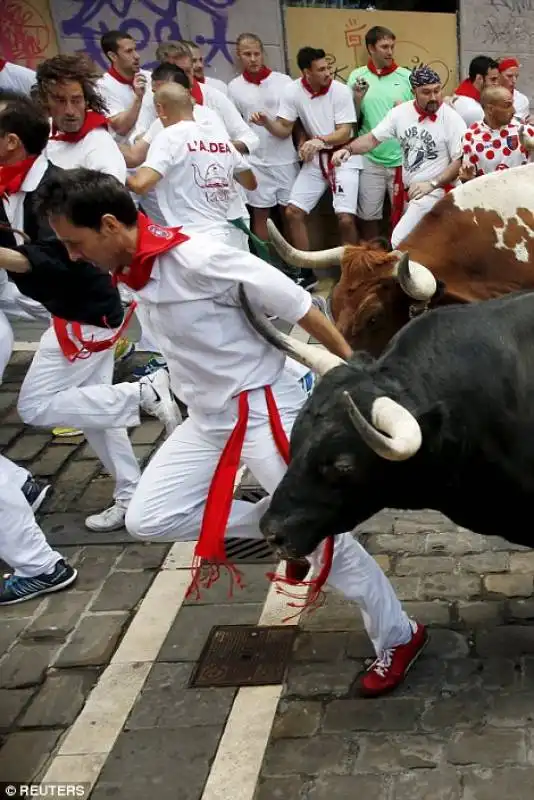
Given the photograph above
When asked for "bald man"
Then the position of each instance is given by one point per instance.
(494, 143)
(192, 169)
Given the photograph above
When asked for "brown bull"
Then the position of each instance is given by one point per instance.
(475, 244)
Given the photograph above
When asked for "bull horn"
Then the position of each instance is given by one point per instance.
(404, 432)
(321, 259)
(415, 280)
(310, 355)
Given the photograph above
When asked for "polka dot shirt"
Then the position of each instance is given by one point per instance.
(491, 150)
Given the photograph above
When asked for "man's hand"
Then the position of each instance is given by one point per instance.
(340, 156)
(360, 89)
(139, 85)
(419, 190)
(310, 148)
(525, 139)
(467, 172)
(259, 118)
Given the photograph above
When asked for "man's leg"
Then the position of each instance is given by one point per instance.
(371, 195)
(413, 214)
(346, 181)
(37, 569)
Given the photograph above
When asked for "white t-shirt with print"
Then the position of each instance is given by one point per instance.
(97, 150)
(120, 97)
(490, 150)
(198, 167)
(249, 98)
(427, 147)
(319, 115)
(16, 78)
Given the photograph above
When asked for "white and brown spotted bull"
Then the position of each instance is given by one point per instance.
(476, 243)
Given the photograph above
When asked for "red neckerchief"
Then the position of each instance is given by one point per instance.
(196, 92)
(3, 62)
(210, 553)
(118, 77)
(381, 73)
(152, 241)
(92, 121)
(424, 114)
(323, 90)
(467, 89)
(257, 77)
(12, 177)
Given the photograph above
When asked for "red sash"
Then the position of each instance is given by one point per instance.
(78, 347)
(467, 89)
(257, 77)
(400, 196)
(196, 93)
(92, 121)
(382, 72)
(210, 545)
(3, 62)
(118, 77)
(152, 241)
(327, 168)
(12, 177)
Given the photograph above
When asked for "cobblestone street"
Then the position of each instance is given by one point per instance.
(94, 682)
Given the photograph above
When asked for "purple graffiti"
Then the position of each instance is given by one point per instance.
(151, 20)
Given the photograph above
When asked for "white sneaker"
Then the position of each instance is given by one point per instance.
(157, 399)
(111, 519)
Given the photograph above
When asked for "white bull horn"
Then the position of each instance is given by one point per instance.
(320, 259)
(404, 437)
(414, 279)
(310, 355)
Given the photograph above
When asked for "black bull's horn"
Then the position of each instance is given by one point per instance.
(403, 437)
(415, 279)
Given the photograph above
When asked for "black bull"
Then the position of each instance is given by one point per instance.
(463, 377)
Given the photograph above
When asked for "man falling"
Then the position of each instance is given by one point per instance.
(242, 401)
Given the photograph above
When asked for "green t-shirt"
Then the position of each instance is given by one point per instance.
(380, 98)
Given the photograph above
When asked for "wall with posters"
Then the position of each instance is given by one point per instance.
(421, 38)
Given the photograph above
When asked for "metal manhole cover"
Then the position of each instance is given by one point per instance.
(244, 655)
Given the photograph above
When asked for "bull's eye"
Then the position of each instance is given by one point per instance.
(372, 320)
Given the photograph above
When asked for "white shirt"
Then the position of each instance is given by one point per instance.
(215, 83)
(319, 115)
(469, 110)
(490, 150)
(521, 106)
(14, 203)
(120, 97)
(248, 98)
(97, 150)
(427, 147)
(197, 167)
(17, 78)
(214, 354)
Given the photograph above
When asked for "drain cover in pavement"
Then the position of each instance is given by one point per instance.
(249, 551)
(245, 655)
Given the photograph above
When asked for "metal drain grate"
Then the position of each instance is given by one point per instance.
(244, 655)
(249, 551)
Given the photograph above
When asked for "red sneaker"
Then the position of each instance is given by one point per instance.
(389, 671)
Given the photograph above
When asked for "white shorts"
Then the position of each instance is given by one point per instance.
(274, 185)
(375, 181)
(311, 185)
(413, 214)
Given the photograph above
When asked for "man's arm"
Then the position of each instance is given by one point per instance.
(13, 261)
(134, 154)
(318, 326)
(247, 179)
(449, 175)
(143, 181)
(242, 136)
(123, 121)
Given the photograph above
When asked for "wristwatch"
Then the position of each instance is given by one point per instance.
(434, 184)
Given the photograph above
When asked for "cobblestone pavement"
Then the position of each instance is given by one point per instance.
(461, 728)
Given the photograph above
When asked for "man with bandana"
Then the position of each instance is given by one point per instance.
(430, 134)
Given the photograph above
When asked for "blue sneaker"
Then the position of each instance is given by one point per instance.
(35, 492)
(308, 382)
(17, 589)
(155, 363)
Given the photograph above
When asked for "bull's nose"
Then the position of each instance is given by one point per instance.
(279, 546)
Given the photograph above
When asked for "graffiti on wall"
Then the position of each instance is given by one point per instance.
(147, 21)
(26, 32)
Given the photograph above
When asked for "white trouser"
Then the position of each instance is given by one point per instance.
(80, 395)
(15, 474)
(6, 343)
(22, 543)
(169, 502)
(16, 305)
(413, 214)
(148, 341)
